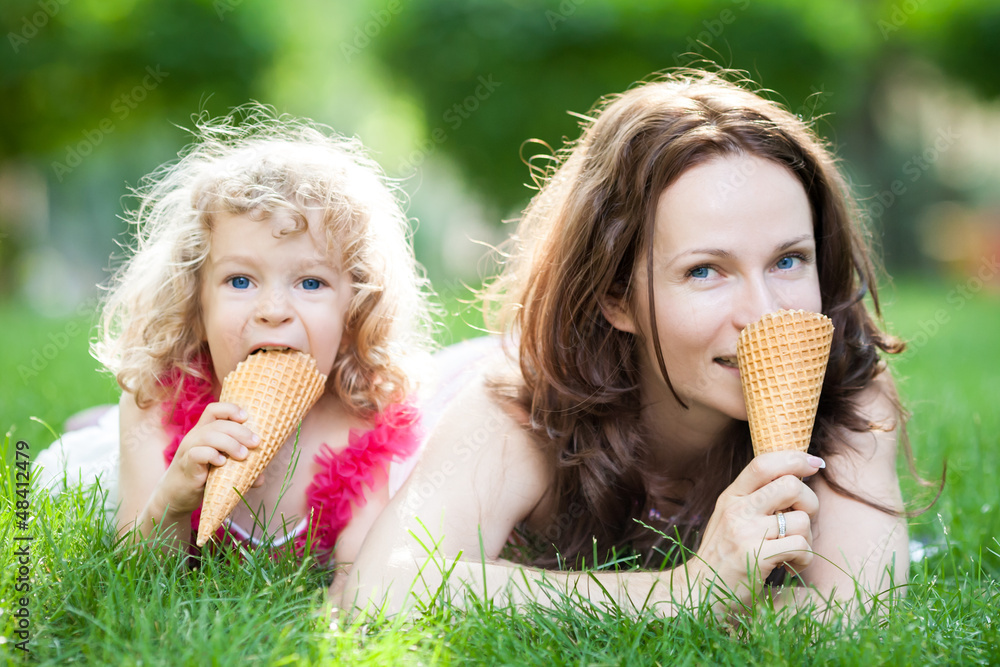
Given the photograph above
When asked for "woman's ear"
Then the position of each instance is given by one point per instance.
(616, 311)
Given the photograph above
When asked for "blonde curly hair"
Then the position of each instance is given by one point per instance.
(253, 162)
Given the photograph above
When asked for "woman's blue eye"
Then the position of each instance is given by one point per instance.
(240, 282)
(787, 262)
(699, 272)
(311, 284)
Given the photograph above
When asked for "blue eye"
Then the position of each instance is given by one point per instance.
(311, 284)
(240, 282)
(699, 272)
(787, 262)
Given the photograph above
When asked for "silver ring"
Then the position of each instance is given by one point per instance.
(781, 524)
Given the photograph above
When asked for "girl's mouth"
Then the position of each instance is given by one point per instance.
(270, 348)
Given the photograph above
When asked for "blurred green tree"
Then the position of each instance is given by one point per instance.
(72, 65)
(491, 75)
(99, 81)
(543, 59)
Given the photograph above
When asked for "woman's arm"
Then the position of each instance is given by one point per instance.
(860, 549)
(481, 475)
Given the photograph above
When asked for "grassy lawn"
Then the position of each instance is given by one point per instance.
(92, 601)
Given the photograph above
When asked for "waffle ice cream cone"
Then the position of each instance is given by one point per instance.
(782, 359)
(276, 388)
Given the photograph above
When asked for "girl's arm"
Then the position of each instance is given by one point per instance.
(159, 500)
(860, 549)
(481, 475)
(141, 445)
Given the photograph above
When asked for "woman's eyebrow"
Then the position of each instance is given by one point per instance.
(794, 242)
(714, 252)
(722, 253)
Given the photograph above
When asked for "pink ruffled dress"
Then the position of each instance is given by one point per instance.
(342, 479)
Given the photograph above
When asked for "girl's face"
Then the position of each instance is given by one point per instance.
(260, 289)
(733, 241)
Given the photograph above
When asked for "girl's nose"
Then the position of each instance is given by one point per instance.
(273, 307)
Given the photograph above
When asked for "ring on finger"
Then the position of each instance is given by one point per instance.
(781, 524)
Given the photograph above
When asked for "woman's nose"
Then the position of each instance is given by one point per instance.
(756, 299)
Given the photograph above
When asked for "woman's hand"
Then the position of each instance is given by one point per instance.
(218, 436)
(741, 544)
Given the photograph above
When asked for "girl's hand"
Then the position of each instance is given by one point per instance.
(218, 436)
(741, 544)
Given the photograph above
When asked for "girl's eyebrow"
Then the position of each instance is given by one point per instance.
(235, 259)
(302, 263)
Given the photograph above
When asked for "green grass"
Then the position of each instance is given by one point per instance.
(93, 601)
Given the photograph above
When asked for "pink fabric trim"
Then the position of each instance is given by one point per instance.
(343, 477)
(340, 484)
(182, 415)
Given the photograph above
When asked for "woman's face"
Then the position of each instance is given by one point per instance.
(733, 241)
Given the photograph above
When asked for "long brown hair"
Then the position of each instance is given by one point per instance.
(581, 239)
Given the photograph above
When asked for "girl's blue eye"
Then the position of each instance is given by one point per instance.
(699, 272)
(240, 282)
(310, 284)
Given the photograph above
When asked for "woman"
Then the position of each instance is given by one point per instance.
(688, 208)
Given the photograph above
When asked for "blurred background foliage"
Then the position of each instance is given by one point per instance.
(447, 93)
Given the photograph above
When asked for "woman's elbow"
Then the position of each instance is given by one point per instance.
(376, 584)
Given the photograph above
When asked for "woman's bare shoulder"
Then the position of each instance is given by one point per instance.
(479, 425)
(878, 404)
(480, 463)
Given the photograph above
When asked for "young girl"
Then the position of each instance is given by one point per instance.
(688, 208)
(267, 233)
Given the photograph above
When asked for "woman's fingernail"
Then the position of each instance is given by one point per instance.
(244, 451)
(816, 462)
(255, 439)
(243, 414)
